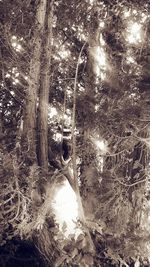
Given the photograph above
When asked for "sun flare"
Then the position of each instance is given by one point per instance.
(134, 33)
(66, 210)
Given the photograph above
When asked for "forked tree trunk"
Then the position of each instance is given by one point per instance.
(29, 127)
(44, 89)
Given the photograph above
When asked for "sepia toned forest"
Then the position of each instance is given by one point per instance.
(74, 133)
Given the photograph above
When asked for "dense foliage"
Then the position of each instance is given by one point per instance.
(95, 57)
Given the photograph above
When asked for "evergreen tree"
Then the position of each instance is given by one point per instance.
(74, 107)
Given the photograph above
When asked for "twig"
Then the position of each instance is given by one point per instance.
(130, 185)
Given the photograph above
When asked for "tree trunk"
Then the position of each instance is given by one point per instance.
(44, 90)
(29, 128)
(89, 175)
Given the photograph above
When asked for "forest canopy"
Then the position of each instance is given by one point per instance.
(75, 131)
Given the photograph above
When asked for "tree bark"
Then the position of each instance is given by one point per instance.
(29, 127)
(44, 90)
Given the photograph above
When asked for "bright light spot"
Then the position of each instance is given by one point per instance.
(12, 92)
(55, 17)
(101, 24)
(73, 27)
(101, 163)
(14, 44)
(26, 78)
(66, 209)
(81, 88)
(144, 17)
(17, 74)
(130, 59)
(127, 13)
(57, 137)
(81, 33)
(132, 95)
(102, 42)
(16, 81)
(100, 74)
(67, 119)
(91, 2)
(2, 84)
(97, 71)
(64, 53)
(68, 111)
(7, 75)
(103, 76)
(81, 60)
(52, 112)
(82, 36)
(100, 144)
(134, 32)
(14, 69)
(19, 47)
(69, 92)
(134, 12)
(101, 147)
(101, 57)
(14, 37)
(96, 107)
(135, 28)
